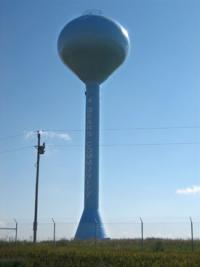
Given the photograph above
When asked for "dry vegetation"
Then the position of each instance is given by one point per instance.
(115, 253)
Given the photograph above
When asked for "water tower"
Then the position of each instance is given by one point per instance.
(92, 46)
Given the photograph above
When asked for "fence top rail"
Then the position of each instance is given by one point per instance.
(7, 228)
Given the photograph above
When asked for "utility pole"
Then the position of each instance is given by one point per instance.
(54, 231)
(40, 151)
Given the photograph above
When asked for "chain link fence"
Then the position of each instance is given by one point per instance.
(55, 230)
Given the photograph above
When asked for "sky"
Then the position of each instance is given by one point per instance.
(150, 114)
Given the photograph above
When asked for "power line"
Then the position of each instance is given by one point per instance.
(128, 129)
(152, 128)
(132, 144)
(16, 149)
(106, 129)
(10, 136)
(152, 144)
(106, 145)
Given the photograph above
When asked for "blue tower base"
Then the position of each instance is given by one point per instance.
(90, 226)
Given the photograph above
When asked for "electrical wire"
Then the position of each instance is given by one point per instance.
(109, 145)
(152, 144)
(129, 129)
(10, 136)
(107, 129)
(131, 144)
(105, 145)
(16, 149)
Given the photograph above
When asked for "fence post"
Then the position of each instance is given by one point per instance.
(95, 224)
(16, 229)
(142, 233)
(54, 231)
(192, 234)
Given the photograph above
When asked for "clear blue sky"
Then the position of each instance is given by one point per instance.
(158, 86)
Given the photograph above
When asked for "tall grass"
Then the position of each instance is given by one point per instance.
(110, 253)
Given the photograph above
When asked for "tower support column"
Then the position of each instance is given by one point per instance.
(90, 225)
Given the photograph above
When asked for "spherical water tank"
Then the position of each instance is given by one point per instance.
(93, 46)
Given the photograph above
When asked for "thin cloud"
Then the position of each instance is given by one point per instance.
(193, 190)
(49, 134)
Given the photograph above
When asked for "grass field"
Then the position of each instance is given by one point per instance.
(119, 253)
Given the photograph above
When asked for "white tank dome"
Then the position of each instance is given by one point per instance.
(93, 46)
